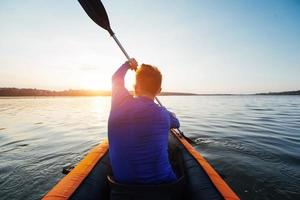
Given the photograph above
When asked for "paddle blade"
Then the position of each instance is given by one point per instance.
(96, 11)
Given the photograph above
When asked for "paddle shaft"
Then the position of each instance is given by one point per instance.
(121, 47)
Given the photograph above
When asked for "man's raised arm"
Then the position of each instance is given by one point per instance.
(119, 91)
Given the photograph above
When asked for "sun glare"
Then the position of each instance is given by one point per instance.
(98, 83)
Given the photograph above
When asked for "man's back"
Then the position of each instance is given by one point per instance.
(138, 137)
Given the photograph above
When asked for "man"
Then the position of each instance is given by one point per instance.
(138, 129)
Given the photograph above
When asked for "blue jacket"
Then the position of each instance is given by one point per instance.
(138, 136)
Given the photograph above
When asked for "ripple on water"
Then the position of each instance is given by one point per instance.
(238, 148)
(199, 141)
(14, 143)
(260, 109)
(14, 180)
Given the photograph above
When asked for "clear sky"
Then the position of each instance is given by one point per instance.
(211, 46)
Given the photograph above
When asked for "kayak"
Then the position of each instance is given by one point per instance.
(89, 180)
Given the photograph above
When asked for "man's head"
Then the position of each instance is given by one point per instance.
(147, 81)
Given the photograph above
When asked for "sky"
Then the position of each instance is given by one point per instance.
(201, 46)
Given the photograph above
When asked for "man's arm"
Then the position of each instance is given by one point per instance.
(119, 91)
(174, 122)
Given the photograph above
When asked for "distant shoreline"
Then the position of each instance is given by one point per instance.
(32, 92)
(296, 92)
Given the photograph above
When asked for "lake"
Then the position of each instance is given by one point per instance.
(252, 141)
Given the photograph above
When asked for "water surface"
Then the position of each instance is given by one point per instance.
(252, 141)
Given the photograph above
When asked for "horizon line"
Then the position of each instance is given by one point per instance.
(96, 92)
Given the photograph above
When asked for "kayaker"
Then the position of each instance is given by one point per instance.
(138, 128)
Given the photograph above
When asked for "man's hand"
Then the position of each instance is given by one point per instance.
(132, 63)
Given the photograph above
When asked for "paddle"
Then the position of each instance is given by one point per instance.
(96, 11)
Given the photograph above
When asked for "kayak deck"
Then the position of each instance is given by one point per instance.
(88, 180)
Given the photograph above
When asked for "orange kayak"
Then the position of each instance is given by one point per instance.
(88, 180)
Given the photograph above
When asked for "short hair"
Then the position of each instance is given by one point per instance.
(148, 78)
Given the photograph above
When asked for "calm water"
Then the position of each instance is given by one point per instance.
(253, 141)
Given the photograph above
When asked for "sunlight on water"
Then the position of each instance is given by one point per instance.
(252, 141)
